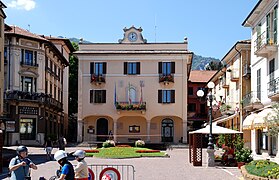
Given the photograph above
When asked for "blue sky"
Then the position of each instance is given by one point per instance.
(211, 26)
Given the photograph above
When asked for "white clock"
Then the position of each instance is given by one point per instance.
(132, 36)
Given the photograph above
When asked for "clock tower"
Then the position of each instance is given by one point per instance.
(132, 35)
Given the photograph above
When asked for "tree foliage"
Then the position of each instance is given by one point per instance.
(214, 65)
(272, 121)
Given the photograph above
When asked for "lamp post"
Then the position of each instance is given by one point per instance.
(210, 147)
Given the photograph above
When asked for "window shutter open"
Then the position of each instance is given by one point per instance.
(35, 58)
(104, 68)
(91, 68)
(125, 68)
(104, 97)
(91, 96)
(160, 68)
(172, 96)
(22, 55)
(138, 67)
(159, 96)
(172, 67)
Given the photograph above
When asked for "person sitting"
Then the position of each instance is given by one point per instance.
(228, 156)
(67, 171)
(81, 170)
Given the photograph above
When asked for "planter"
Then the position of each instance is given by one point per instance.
(239, 164)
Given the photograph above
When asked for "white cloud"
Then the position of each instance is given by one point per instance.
(22, 4)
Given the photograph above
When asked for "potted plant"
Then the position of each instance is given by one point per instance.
(243, 156)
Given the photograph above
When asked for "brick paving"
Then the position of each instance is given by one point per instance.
(175, 167)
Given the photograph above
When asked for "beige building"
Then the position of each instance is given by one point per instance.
(2, 27)
(35, 99)
(133, 90)
(232, 84)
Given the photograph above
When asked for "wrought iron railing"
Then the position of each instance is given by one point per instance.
(252, 97)
(234, 74)
(43, 98)
(246, 70)
(273, 87)
(262, 40)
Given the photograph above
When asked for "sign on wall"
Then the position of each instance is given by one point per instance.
(10, 126)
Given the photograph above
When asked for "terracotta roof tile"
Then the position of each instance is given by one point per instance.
(201, 76)
(23, 32)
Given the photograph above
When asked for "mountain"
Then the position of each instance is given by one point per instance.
(199, 62)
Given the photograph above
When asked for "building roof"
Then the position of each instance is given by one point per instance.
(22, 32)
(66, 41)
(254, 12)
(201, 76)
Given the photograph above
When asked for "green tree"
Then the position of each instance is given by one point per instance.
(213, 65)
(73, 95)
(272, 120)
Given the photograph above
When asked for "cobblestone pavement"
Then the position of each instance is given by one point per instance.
(175, 167)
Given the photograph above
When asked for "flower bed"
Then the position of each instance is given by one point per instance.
(91, 151)
(263, 168)
(123, 145)
(147, 151)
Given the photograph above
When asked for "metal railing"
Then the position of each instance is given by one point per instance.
(234, 74)
(251, 98)
(246, 70)
(126, 172)
(273, 87)
(262, 40)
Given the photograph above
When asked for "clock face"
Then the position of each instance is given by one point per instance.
(132, 36)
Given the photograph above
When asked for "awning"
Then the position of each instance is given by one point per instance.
(260, 120)
(215, 130)
(249, 121)
(225, 118)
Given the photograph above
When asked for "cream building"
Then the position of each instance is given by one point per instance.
(133, 90)
(263, 21)
(35, 99)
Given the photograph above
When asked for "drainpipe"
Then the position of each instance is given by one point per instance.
(240, 88)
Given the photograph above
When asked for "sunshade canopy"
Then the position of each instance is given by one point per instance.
(215, 130)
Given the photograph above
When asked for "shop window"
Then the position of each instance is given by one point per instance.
(27, 129)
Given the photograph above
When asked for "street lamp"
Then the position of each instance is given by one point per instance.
(210, 147)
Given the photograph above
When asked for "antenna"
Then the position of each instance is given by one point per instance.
(155, 28)
(29, 27)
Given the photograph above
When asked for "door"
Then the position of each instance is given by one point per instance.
(167, 130)
(102, 129)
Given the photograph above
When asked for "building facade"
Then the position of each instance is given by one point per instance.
(263, 20)
(133, 90)
(34, 96)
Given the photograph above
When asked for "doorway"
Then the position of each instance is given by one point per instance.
(167, 130)
(102, 129)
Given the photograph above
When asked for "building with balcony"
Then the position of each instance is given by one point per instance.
(262, 20)
(232, 82)
(133, 89)
(35, 77)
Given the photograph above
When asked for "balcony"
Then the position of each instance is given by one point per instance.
(247, 71)
(234, 75)
(224, 82)
(226, 109)
(41, 98)
(166, 78)
(251, 101)
(134, 106)
(98, 78)
(273, 89)
(264, 46)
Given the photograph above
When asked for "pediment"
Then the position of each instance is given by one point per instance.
(133, 35)
(28, 72)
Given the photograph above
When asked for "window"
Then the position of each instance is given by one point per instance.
(166, 68)
(166, 96)
(97, 96)
(190, 91)
(132, 68)
(271, 69)
(192, 107)
(27, 129)
(263, 137)
(98, 68)
(28, 57)
(28, 84)
(134, 129)
(202, 108)
(5, 55)
(259, 84)
(46, 88)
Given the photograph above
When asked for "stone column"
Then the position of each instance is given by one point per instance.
(148, 130)
(253, 142)
(185, 129)
(79, 130)
(115, 130)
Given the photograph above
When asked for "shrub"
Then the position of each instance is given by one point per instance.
(243, 155)
(108, 143)
(139, 143)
